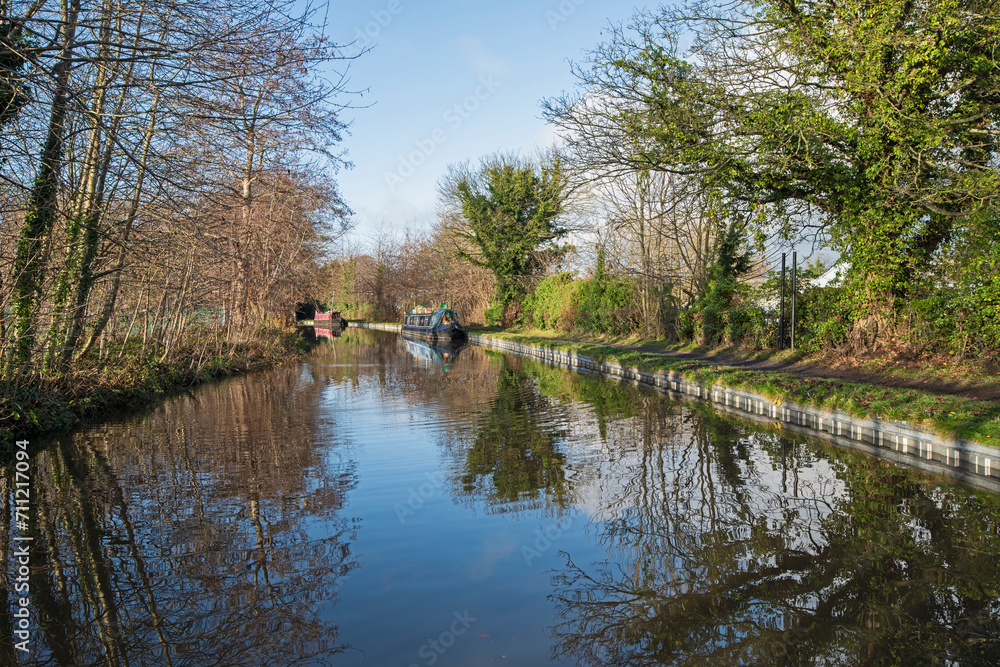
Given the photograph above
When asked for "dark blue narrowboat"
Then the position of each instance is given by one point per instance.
(433, 325)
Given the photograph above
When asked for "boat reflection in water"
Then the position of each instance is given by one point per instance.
(313, 335)
(327, 333)
(442, 354)
(357, 509)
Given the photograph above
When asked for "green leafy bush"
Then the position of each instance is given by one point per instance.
(604, 304)
(960, 319)
(551, 305)
(493, 317)
(822, 319)
(759, 328)
(607, 305)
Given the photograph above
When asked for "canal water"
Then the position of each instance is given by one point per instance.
(386, 503)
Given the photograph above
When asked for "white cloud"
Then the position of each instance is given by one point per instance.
(548, 136)
(482, 60)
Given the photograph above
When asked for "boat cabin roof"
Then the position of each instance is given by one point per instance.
(433, 314)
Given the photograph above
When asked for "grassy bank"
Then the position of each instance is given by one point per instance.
(128, 379)
(947, 415)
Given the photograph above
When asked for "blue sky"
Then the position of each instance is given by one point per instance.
(448, 82)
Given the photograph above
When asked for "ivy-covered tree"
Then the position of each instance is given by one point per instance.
(14, 93)
(507, 213)
(874, 122)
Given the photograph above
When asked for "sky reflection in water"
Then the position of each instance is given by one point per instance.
(383, 504)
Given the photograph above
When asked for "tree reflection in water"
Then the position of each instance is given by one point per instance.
(211, 531)
(514, 462)
(198, 546)
(798, 555)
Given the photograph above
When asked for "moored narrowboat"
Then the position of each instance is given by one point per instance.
(330, 320)
(433, 325)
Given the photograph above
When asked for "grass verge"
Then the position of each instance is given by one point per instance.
(948, 416)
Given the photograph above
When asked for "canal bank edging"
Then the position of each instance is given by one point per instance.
(381, 327)
(966, 461)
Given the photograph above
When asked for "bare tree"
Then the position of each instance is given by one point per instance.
(174, 161)
(657, 231)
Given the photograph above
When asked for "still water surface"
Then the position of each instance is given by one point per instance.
(380, 504)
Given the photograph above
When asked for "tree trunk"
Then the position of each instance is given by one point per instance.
(43, 201)
(109, 303)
